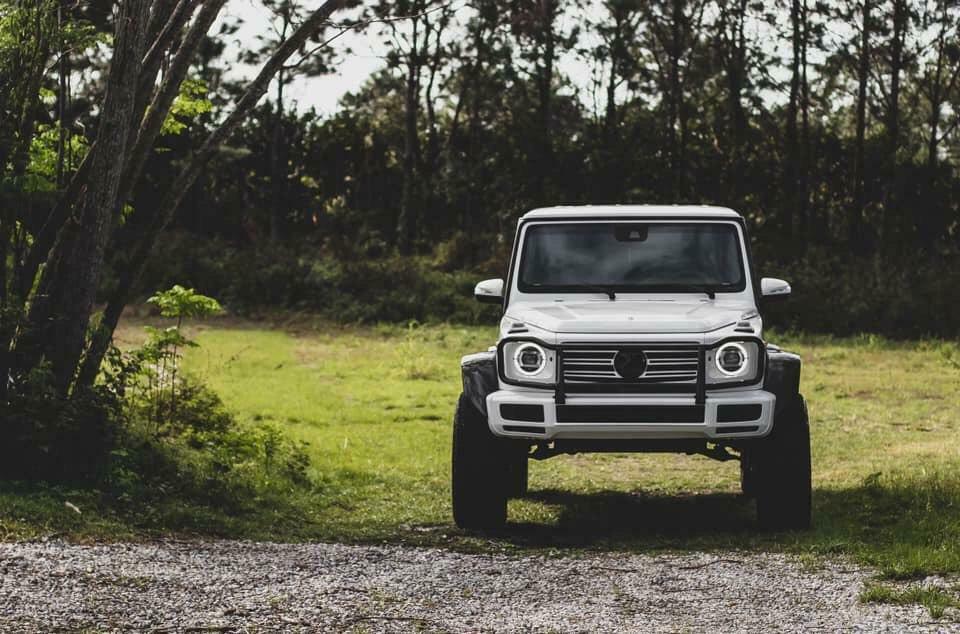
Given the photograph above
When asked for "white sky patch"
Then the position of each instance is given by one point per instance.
(362, 53)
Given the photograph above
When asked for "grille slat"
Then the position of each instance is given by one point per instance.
(671, 365)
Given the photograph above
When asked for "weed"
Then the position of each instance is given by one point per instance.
(936, 600)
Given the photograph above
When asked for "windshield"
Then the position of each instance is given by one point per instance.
(641, 257)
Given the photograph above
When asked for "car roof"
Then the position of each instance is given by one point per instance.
(630, 211)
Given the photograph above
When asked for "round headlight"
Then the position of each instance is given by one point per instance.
(731, 359)
(530, 359)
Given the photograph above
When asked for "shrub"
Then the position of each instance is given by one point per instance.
(834, 292)
(360, 289)
(49, 438)
(204, 456)
(148, 436)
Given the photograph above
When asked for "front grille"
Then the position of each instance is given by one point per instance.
(671, 365)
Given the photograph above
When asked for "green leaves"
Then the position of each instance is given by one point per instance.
(180, 303)
(189, 104)
(41, 173)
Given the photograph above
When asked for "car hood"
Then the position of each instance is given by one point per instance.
(628, 316)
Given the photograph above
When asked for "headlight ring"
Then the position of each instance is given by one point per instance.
(732, 359)
(530, 359)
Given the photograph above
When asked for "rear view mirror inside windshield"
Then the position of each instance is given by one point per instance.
(631, 232)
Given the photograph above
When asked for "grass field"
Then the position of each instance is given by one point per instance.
(374, 406)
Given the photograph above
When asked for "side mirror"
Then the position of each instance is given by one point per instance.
(772, 288)
(489, 291)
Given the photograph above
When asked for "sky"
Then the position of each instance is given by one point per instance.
(361, 54)
(321, 93)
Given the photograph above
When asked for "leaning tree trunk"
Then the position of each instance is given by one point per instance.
(60, 312)
(163, 213)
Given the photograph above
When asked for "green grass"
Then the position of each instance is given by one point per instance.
(374, 406)
(936, 600)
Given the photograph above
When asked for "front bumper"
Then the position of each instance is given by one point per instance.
(723, 415)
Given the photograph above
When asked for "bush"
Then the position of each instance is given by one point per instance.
(350, 290)
(834, 292)
(148, 436)
(842, 295)
(53, 439)
(203, 456)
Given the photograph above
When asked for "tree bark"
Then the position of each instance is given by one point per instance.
(545, 97)
(278, 167)
(60, 312)
(803, 167)
(159, 109)
(855, 213)
(676, 124)
(407, 221)
(144, 244)
(900, 24)
(790, 137)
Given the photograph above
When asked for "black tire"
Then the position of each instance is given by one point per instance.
(479, 463)
(517, 474)
(781, 469)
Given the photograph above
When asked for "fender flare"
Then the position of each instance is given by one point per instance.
(782, 377)
(479, 372)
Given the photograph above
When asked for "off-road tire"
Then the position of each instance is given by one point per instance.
(780, 467)
(479, 464)
(517, 474)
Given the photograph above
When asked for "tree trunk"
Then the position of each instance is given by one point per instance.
(278, 175)
(278, 167)
(855, 236)
(156, 114)
(407, 221)
(791, 171)
(677, 126)
(143, 245)
(545, 94)
(60, 312)
(803, 164)
(900, 24)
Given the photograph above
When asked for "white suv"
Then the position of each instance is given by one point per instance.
(631, 328)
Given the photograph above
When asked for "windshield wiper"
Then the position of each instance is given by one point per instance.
(600, 288)
(709, 290)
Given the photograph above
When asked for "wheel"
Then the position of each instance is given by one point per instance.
(479, 463)
(781, 470)
(517, 474)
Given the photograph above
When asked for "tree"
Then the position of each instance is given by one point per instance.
(535, 25)
(72, 237)
(60, 310)
(286, 15)
(675, 27)
(797, 143)
(894, 59)
(160, 217)
(413, 31)
(855, 235)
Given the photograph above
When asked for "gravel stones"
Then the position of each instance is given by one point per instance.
(229, 586)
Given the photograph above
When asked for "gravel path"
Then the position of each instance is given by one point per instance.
(227, 586)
